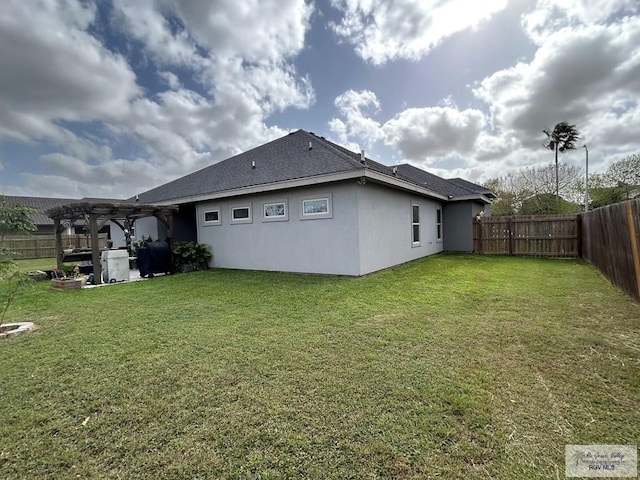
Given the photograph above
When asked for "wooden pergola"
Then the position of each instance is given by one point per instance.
(97, 214)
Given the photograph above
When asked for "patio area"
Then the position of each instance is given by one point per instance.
(134, 276)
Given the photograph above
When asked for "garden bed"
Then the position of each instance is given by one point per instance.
(68, 283)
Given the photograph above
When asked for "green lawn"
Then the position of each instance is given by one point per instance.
(32, 264)
(447, 367)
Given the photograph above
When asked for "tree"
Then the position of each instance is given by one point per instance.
(624, 174)
(546, 204)
(531, 190)
(620, 182)
(509, 194)
(14, 219)
(563, 137)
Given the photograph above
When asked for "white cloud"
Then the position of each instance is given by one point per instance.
(585, 70)
(65, 84)
(416, 133)
(549, 16)
(583, 75)
(256, 30)
(171, 79)
(55, 70)
(356, 107)
(419, 133)
(240, 54)
(266, 86)
(383, 30)
(144, 20)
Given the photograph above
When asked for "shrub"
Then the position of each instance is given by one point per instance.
(194, 254)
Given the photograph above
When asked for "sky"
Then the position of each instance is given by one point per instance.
(109, 98)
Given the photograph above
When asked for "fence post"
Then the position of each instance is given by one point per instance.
(579, 234)
(634, 245)
(509, 228)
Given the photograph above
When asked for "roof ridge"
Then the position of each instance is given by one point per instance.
(328, 144)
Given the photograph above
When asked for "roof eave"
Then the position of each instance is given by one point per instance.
(461, 198)
(402, 184)
(305, 182)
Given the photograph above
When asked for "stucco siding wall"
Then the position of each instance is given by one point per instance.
(385, 227)
(148, 227)
(321, 244)
(117, 235)
(458, 225)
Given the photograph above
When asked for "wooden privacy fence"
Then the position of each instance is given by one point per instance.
(611, 243)
(608, 238)
(44, 246)
(546, 236)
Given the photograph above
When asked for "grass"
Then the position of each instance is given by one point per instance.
(447, 367)
(33, 264)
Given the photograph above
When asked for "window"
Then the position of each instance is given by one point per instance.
(212, 217)
(275, 211)
(439, 224)
(316, 206)
(241, 214)
(415, 224)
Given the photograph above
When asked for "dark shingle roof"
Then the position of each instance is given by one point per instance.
(289, 158)
(430, 181)
(42, 204)
(472, 187)
(286, 158)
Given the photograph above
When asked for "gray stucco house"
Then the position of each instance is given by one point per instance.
(304, 204)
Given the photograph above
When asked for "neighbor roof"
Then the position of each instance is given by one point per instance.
(299, 155)
(42, 204)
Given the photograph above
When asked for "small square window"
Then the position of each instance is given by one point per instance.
(275, 210)
(316, 206)
(212, 216)
(241, 214)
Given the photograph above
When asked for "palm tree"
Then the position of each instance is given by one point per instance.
(562, 138)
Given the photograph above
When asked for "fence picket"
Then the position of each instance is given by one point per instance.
(547, 236)
(609, 238)
(44, 246)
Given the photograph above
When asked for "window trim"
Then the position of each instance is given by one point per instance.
(249, 219)
(275, 218)
(414, 242)
(439, 227)
(316, 215)
(211, 222)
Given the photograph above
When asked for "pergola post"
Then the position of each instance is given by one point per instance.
(167, 219)
(95, 249)
(170, 232)
(59, 252)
